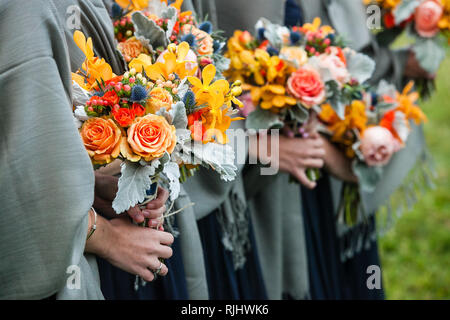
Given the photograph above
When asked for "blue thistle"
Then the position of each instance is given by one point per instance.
(206, 26)
(295, 37)
(116, 11)
(374, 98)
(272, 51)
(190, 39)
(261, 36)
(138, 93)
(189, 100)
(218, 45)
(332, 37)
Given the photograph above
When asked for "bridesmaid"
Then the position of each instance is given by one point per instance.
(334, 275)
(117, 284)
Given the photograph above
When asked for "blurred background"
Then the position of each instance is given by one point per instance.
(416, 252)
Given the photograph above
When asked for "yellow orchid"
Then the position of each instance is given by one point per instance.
(205, 90)
(133, 5)
(173, 63)
(142, 62)
(217, 121)
(316, 27)
(271, 97)
(93, 69)
(355, 119)
(406, 104)
(177, 4)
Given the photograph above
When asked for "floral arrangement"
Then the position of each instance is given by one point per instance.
(148, 28)
(160, 119)
(287, 74)
(374, 128)
(427, 22)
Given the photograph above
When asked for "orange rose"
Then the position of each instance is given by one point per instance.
(123, 116)
(101, 138)
(131, 48)
(306, 85)
(204, 40)
(427, 18)
(159, 98)
(149, 137)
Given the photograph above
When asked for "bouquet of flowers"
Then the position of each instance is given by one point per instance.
(158, 118)
(288, 73)
(427, 22)
(151, 26)
(373, 129)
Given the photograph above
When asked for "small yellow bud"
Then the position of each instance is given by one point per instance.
(236, 91)
(172, 48)
(237, 83)
(133, 71)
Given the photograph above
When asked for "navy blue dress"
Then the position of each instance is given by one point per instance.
(224, 282)
(331, 279)
(117, 284)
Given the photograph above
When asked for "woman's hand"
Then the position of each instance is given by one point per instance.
(106, 190)
(154, 210)
(337, 163)
(299, 154)
(131, 248)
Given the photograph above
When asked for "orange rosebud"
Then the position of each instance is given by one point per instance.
(131, 48)
(151, 136)
(101, 138)
(123, 116)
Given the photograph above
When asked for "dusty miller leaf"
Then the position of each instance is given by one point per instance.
(263, 119)
(134, 181)
(149, 30)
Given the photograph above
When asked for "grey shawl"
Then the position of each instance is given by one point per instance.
(46, 177)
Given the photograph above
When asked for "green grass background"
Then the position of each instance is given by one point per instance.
(415, 254)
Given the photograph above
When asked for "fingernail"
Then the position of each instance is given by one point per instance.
(146, 213)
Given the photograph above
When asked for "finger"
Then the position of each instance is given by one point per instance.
(165, 238)
(312, 163)
(154, 264)
(155, 213)
(146, 274)
(164, 270)
(164, 251)
(303, 179)
(160, 200)
(156, 223)
(314, 153)
(136, 214)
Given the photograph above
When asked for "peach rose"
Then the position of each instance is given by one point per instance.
(204, 40)
(427, 17)
(150, 137)
(101, 138)
(159, 98)
(131, 48)
(377, 146)
(306, 85)
(336, 66)
(249, 106)
(296, 54)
